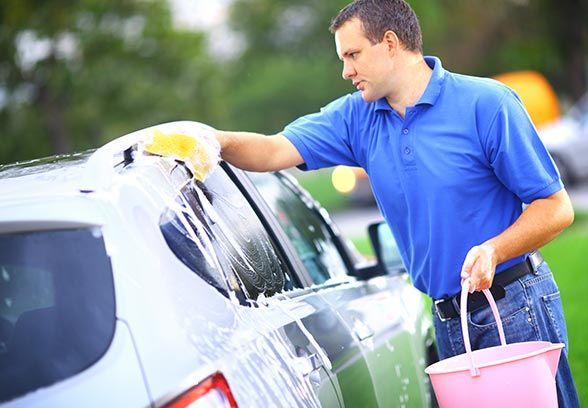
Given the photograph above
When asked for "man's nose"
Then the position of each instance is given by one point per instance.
(348, 70)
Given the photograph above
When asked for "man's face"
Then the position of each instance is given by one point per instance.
(367, 65)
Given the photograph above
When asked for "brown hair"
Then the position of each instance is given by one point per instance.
(379, 16)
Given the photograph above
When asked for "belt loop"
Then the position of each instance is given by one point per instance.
(456, 305)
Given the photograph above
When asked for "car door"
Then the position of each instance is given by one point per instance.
(319, 265)
(383, 314)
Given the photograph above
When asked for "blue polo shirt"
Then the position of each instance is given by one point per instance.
(451, 174)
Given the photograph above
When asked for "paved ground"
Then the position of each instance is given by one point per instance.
(355, 221)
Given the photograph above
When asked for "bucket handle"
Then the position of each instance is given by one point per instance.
(463, 304)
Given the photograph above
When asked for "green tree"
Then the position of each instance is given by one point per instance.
(74, 74)
(496, 36)
(289, 66)
(565, 23)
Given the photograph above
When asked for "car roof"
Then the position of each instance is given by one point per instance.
(88, 171)
(49, 176)
(43, 194)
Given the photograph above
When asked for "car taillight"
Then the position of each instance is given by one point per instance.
(212, 392)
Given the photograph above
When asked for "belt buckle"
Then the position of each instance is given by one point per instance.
(438, 311)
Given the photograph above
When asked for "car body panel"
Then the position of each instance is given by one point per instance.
(376, 314)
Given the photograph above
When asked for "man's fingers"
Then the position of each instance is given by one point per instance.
(482, 274)
(479, 266)
(475, 274)
(469, 261)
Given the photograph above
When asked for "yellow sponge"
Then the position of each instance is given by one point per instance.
(196, 153)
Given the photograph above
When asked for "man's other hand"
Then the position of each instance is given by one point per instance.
(480, 266)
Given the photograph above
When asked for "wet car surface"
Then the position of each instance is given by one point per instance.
(126, 282)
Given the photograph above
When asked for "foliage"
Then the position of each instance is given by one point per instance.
(289, 66)
(74, 74)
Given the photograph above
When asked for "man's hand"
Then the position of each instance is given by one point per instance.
(191, 142)
(480, 266)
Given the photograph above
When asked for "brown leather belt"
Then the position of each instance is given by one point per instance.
(446, 309)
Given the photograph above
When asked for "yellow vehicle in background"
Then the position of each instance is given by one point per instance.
(565, 136)
(536, 93)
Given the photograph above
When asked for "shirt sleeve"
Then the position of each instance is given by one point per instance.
(517, 154)
(322, 138)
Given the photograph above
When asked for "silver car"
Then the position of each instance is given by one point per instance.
(126, 282)
(567, 141)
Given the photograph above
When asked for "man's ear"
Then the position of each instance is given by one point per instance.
(392, 42)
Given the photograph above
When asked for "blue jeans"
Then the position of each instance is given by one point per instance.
(530, 311)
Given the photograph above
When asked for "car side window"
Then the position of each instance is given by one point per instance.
(214, 231)
(57, 307)
(304, 227)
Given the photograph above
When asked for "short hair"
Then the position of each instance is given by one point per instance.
(379, 16)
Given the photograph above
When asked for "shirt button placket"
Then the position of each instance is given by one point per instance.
(407, 149)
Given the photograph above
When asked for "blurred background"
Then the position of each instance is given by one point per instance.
(76, 74)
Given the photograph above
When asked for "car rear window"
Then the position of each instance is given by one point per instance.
(57, 311)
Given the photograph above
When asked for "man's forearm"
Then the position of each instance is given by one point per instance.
(241, 148)
(543, 220)
(257, 152)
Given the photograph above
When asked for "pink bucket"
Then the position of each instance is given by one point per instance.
(509, 375)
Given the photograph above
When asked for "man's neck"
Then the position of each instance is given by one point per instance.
(412, 77)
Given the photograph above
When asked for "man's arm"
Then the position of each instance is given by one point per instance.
(257, 152)
(540, 222)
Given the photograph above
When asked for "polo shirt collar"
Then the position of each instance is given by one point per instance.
(432, 90)
(382, 104)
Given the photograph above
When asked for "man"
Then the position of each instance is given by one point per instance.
(451, 160)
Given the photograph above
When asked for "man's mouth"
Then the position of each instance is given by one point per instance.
(359, 85)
